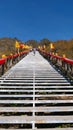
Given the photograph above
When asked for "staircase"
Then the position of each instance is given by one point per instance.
(33, 95)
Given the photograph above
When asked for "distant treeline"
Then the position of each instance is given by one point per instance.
(7, 46)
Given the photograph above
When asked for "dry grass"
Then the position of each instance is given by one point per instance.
(65, 47)
(7, 46)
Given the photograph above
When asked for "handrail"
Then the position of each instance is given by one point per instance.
(9, 61)
(2, 61)
(68, 61)
(64, 64)
(58, 57)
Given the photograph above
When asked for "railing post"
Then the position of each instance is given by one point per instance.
(2, 72)
(64, 64)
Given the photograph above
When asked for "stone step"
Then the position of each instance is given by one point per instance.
(27, 89)
(36, 95)
(36, 119)
(37, 109)
(42, 129)
(49, 83)
(38, 91)
(38, 87)
(36, 101)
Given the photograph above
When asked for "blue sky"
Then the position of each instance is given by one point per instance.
(36, 19)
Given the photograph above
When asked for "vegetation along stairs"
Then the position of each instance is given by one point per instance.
(34, 95)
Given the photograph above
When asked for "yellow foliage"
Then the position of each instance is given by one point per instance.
(17, 45)
(44, 46)
(4, 56)
(51, 46)
(56, 54)
(64, 56)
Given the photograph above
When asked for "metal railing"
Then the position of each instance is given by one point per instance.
(9, 61)
(63, 64)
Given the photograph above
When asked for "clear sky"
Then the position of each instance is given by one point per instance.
(36, 19)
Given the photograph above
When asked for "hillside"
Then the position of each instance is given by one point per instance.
(61, 47)
(7, 46)
(64, 47)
